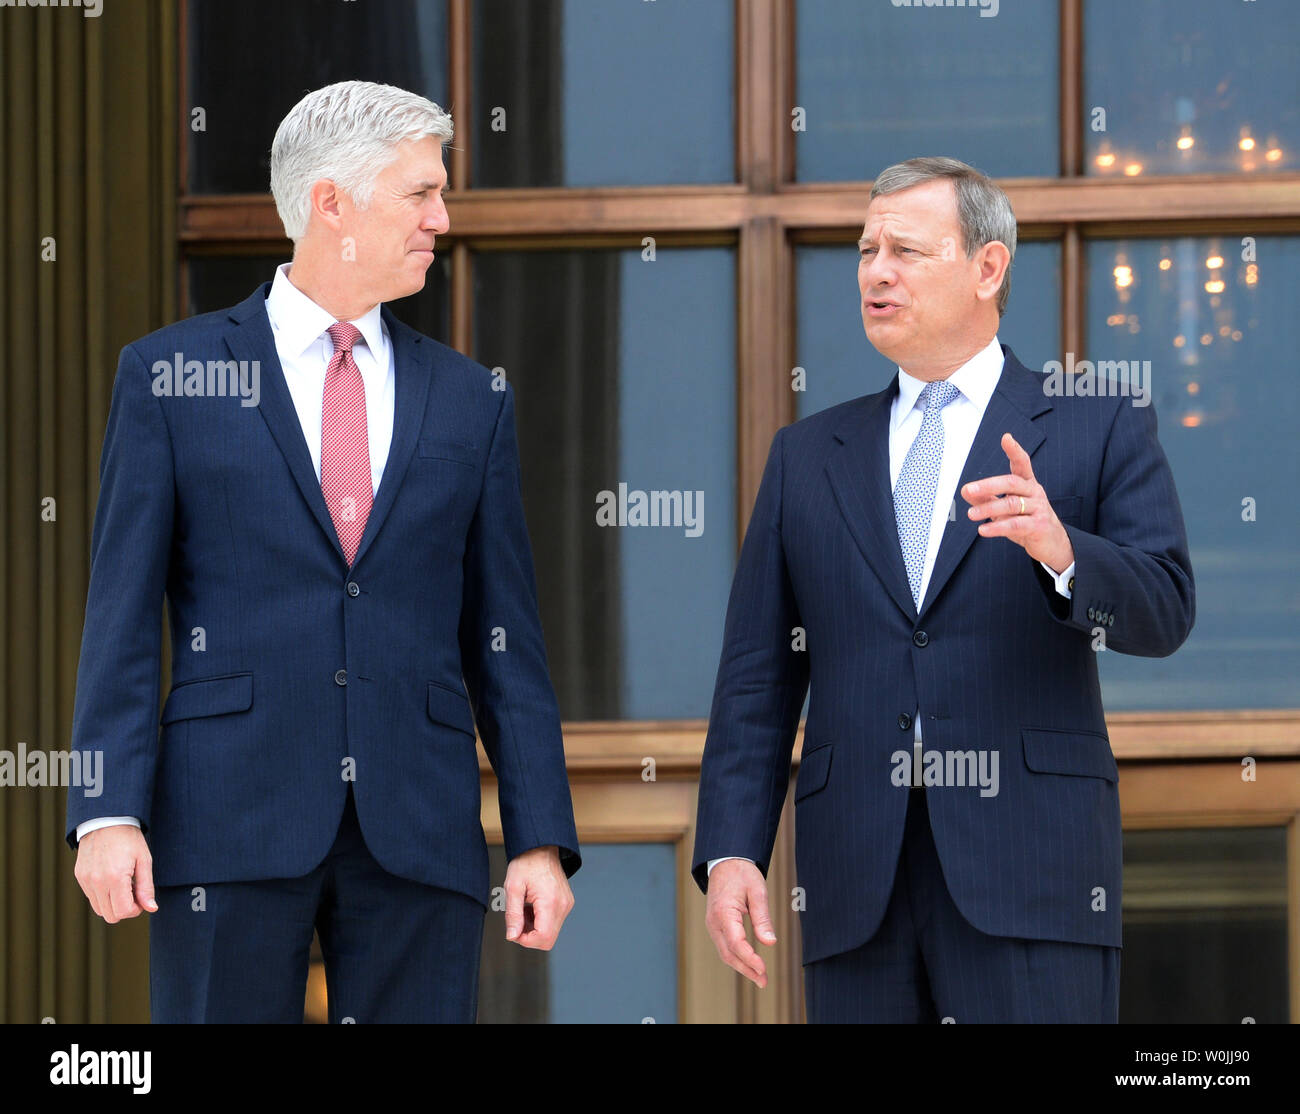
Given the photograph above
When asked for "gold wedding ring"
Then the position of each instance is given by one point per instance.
(1022, 504)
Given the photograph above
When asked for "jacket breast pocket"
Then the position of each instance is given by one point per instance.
(1077, 753)
(209, 696)
(450, 708)
(1068, 508)
(438, 448)
(814, 769)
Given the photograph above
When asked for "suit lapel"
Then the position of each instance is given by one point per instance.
(412, 367)
(859, 476)
(251, 339)
(1016, 401)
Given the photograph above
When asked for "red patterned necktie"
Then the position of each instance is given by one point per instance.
(344, 444)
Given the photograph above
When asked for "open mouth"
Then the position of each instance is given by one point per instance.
(881, 309)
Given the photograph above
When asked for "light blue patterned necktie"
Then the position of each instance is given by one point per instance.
(917, 481)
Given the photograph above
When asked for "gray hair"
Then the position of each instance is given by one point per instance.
(983, 209)
(347, 132)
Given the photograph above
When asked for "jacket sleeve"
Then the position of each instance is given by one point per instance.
(757, 697)
(510, 688)
(1134, 573)
(119, 672)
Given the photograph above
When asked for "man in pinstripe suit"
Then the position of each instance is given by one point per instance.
(957, 822)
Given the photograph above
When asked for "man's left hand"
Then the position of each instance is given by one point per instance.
(1016, 507)
(538, 898)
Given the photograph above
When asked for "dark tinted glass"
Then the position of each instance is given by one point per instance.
(1196, 87)
(624, 374)
(593, 93)
(879, 83)
(250, 61)
(1214, 335)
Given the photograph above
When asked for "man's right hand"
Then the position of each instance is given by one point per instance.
(737, 888)
(115, 872)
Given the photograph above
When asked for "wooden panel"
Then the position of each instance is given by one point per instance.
(630, 810)
(1070, 62)
(596, 748)
(840, 205)
(765, 349)
(76, 95)
(1207, 794)
(460, 53)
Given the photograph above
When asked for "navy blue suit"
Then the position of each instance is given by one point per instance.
(996, 661)
(305, 662)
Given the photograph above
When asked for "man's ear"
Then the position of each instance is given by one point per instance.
(325, 203)
(993, 259)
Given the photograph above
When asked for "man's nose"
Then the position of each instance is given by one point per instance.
(879, 271)
(436, 219)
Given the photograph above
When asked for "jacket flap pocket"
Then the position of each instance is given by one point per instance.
(209, 696)
(1083, 753)
(1067, 507)
(436, 448)
(450, 709)
(814, 768)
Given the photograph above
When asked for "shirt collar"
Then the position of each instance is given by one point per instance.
(300, 321)
(976, 379)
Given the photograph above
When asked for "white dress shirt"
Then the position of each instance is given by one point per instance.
(302, 342)
(976, 381)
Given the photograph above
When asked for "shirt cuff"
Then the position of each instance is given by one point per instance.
(104, 822)
(1064, 580)
(715, 862)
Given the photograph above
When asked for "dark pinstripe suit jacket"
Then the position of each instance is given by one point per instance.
(996, 661)
(307, 662)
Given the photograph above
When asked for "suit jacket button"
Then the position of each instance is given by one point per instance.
(354, 589)
(904, 721)
(920, 638)
(1110, 620)
(1092, 613)
(341, 677)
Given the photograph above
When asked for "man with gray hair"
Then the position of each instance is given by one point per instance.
(350, 591)
(957, 823)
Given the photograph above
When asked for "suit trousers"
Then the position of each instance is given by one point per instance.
(394, 950)
(927, 963)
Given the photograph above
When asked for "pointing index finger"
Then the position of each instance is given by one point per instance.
(1019, 459)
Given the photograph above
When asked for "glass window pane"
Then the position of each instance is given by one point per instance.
(1196, 87)
(589, 93)
(624, 372)
(881, 83)
(839, 362)
(250, 61)
(1205, 927)
(218, 281)
(615, 961)
(1216, 336)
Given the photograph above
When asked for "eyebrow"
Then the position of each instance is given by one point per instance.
(421, 187)
(906, 237)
